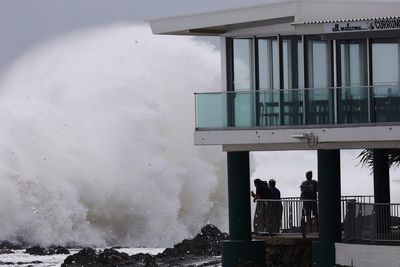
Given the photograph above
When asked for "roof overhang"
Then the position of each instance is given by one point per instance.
(304, 16)
(220, 22)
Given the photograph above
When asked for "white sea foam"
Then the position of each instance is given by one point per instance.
(96, 141)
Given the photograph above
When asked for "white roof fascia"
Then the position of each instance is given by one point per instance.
(352, 137)
(298, 12)
(207, 21)
(321, 10)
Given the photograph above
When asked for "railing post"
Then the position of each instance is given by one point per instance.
(359, 221)
(290, 214)
(349, 220)
(373, 225)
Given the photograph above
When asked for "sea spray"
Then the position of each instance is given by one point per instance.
(97, 141)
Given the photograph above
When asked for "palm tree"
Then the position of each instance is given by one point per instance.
(367, 157)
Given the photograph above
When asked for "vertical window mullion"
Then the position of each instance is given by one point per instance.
(335, 81)
(256, 82)
(306, 65)
(281, 79)
(230, 82)
(371, 101)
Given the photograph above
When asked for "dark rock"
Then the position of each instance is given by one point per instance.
(40, 251)
(36, 250)
(212, 233)
(112, 256)
(58, 250)
(85, 257)
(6, 263)
(30, 262)
(204, 245)
(8, 245)
(21, 263)
(107, 258)
(6, 251)
(145, 259)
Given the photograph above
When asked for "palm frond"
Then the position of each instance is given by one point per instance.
(366, 158)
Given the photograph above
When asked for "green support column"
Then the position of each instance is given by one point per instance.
(329, 207)
(381, 176)
(381, 190)
(239, 195)
(240, 248)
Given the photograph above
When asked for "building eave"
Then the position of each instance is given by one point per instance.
(302, 14)
(345, 20)
(220, 22)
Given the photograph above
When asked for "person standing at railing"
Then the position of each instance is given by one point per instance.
(275, 207)
(260, 222)
(309, 193)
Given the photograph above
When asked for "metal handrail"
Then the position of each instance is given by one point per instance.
(282, 216)
(362, 220)
(372, 222)
(286, 215)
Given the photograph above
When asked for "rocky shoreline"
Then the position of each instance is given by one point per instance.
(203, 250)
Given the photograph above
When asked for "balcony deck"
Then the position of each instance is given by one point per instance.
(346, 117)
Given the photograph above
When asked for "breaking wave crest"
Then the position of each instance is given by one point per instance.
(96, 142)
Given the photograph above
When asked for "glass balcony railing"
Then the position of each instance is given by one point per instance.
(296, 107)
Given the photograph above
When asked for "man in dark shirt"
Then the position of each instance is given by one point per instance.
(309, 190)
(260, 222)
(275, 207)
(275, 191)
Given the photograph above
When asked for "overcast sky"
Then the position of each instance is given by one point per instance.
(24, 23)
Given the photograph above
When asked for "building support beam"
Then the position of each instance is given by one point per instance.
(381, 176)
(240, 248)
(329, 207)
(381, 190)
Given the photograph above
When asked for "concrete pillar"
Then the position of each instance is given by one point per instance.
(240, 248)
(381, 176)
(381, 190)
(329, 207)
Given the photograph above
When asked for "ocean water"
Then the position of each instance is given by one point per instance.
(56, 260)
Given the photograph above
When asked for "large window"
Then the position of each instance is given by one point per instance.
(242, 64)
(268, 64)
(352, 81)
(319, 64)
(293, 63)
(319, 102)
(386, 79)
(268, 82)
(243, 103)
(292, 78)
(385, 62)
